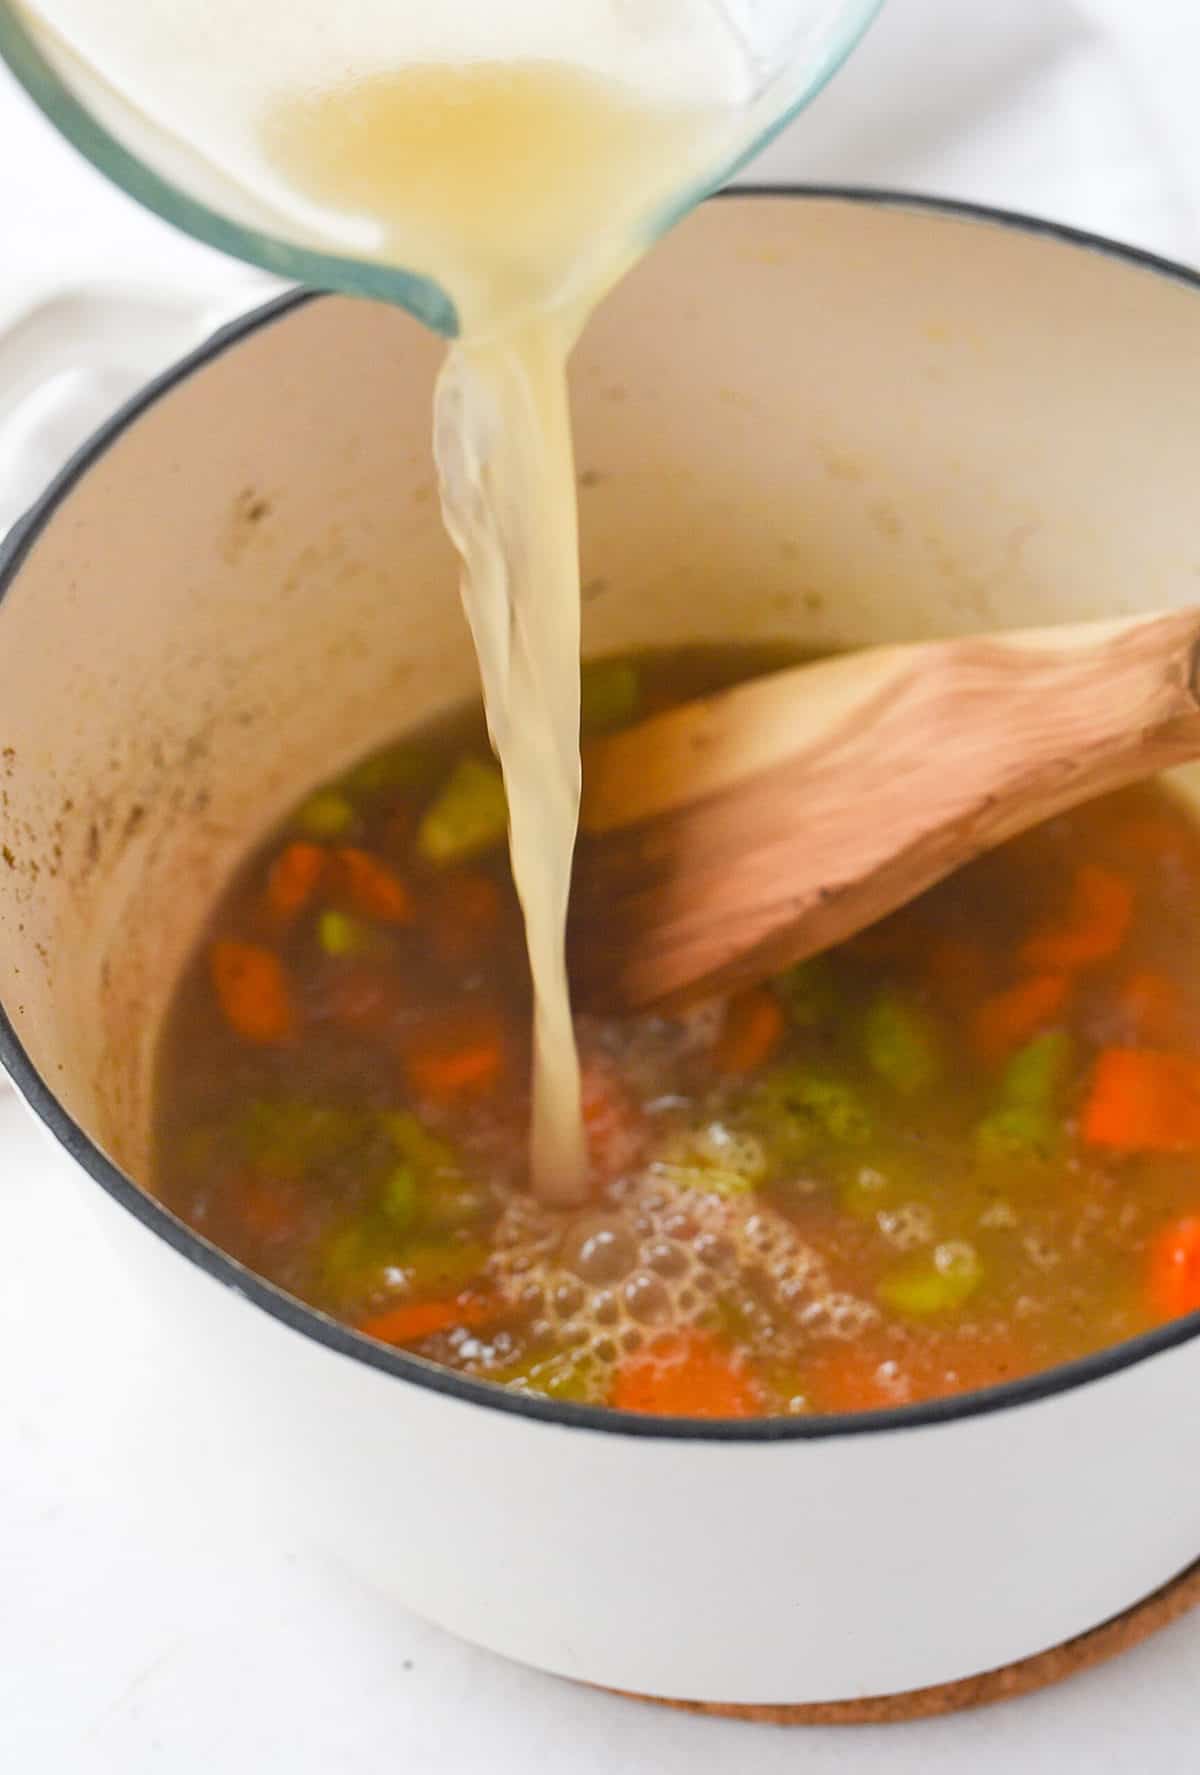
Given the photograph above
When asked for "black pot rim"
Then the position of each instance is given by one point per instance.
(339, 1338)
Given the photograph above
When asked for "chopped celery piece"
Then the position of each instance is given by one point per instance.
(340, 935)
(711, 1180)
(448, 1198)
(902, 1044)
(425, 1152)
(443, 1269)
(808, 992)
(1037, 1072)
(403, 766)
(934, 1284)
(567, 1374)
(720, 1160)
(608, 695)
(1024, 1123)
(798, 1104)
(400, 1197)
(289, 1137)
(469, 815)
(355, 1256)
(1018, 1130)
(325, 815)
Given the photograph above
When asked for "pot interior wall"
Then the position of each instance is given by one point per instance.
(813, 420)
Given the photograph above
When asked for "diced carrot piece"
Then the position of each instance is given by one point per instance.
(1151, 1008)
(415, 1319)
(691, 1377)
(252, 990)
(1173, 1270)
(1143, 1100)
(753, 1029)
(1007, 1019)
(1096, 924)
(464, 916)
(293, 878)
(463, 1056)
(372, 889)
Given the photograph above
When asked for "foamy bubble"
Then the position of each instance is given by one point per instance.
(659, 1259)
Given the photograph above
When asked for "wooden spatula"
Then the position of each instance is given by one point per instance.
(734, 835)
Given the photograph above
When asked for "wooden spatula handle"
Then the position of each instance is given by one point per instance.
(731, 837)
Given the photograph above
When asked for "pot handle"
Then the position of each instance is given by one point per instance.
(70, 357)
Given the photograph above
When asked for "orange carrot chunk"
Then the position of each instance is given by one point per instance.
(1143, 1100)
(1173, 1270)
(1006, 1020)
(465, 916)
(415, 1319)
(1096, 924)
(293, 878)
(372, 889)
(689, 1377)
(465, 1056)
(753, 1029)
(252, 991)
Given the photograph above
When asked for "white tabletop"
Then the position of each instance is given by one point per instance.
(135, 1635)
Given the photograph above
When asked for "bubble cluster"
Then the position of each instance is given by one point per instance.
(659, 1257)
(908, 1226)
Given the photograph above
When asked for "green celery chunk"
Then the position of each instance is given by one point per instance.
(567, 1374)
(289, 1137)
(400, 1198)
(447, 1198)
(340, 935)
(902, 1045)
(715, 1159)
(469, 815)
(608, 695)
(799, 1104)
(1018, 1130)
(402, 766)
(427, 1153)
(443, 1269)
(808, 992)
(325, 815)
(1037, 1072)
(1025, 1122)
(937, 1283)
(354, 1257)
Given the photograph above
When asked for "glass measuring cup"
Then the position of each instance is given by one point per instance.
(78, 61)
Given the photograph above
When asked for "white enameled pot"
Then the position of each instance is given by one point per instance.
(831, 419)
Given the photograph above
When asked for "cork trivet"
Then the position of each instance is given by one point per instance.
(1089, 1649)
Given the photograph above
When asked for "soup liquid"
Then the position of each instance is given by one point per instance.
(525, 190)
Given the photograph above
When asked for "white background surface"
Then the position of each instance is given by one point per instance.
(137, 1634)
